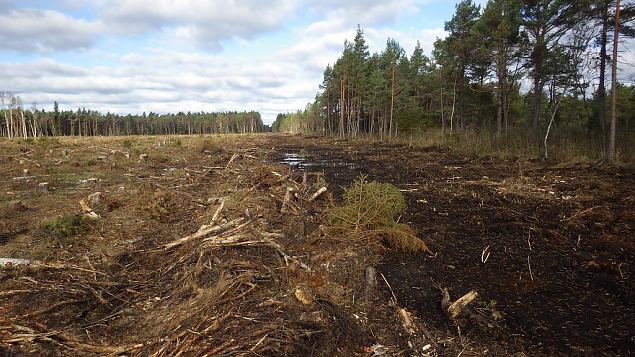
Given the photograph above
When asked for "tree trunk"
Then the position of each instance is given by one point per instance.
(536, 101)
(442, 116)
(611, 155)
(453, 106)
(601, 94)
(392, 101)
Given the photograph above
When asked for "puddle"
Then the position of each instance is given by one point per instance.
(300, 161)
(296, 160)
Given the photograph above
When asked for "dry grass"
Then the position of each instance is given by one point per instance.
(564, 145)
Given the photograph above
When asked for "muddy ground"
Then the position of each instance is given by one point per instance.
(549, 248)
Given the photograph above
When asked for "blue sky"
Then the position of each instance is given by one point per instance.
(179, 55)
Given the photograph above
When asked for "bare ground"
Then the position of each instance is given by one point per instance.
(549, 248)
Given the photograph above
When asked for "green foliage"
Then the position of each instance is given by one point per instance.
(66, 226)
(369, 211)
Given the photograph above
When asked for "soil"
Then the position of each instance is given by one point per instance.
(550, 249)
(559, 242)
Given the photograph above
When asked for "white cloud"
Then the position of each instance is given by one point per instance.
(365, 12)
(208, 23)
(36, 30)
(175, 82)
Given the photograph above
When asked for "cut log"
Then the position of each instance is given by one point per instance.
(95, 200)
(407, 321)
(459, 305)
(43, 186)
(88, 212)
(9, 262)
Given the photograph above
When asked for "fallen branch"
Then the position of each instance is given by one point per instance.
(581, 213)
(217, 213)
(231, 160)
(287, 199)
(204, 232)
(319, 193)
(459, 305)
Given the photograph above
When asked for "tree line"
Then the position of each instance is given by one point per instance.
(536, 66)
(33, 122)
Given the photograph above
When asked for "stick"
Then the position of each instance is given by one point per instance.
(581, 213)
(394, 297)
(203, 233)
(217, 213)
(531, 275)
(319, 193)
(455, 309)
(231, 160)
(287, 199)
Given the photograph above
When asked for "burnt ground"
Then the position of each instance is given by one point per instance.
(550, 248)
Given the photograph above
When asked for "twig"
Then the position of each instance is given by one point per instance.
(389, 288)
(217, 213)
(529, 265)
(581, 213)
(485, 257)
(231, 160)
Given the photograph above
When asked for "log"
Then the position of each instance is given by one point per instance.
(9, 262)
(459, 305)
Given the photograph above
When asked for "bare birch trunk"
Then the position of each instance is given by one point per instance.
(611, 155)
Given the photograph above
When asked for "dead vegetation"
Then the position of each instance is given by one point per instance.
(211, 246)
(158, 249)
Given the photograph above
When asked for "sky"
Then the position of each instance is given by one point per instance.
(134, 56)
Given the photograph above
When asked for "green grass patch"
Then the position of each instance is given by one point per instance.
(66, 226)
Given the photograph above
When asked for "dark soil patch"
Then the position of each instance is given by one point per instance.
(560, 239)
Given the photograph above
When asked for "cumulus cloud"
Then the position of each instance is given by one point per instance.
(174, 82)
(366, 12)
(37, 30)
(208, 23)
